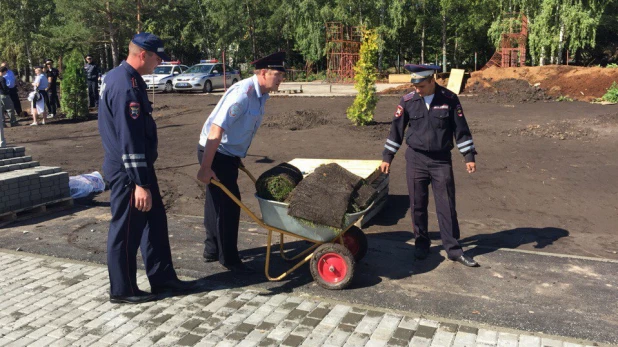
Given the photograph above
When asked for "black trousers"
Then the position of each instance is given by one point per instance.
(93, 93)
(222, 214)
(130, 229)
(423, 168)
(15, 99)
(52, 101)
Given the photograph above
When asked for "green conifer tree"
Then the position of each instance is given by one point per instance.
(361, 111)
(74, 88)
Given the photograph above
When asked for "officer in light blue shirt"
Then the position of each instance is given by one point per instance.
(12, 84)
(225, 139)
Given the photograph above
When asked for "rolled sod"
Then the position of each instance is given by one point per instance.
(323, 196)
(277, 182)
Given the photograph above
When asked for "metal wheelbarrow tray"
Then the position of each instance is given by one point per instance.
(333, 253)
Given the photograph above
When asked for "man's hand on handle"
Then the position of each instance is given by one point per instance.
(205, 175)
(143, 199)
(385, 167)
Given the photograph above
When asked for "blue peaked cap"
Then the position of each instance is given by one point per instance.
(151, 43)
(421, 72)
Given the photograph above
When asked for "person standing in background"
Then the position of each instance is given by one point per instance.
(92, 77)
(53, 103)
(11, 82)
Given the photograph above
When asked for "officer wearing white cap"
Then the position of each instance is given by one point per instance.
(225, 139)
(129, 136)
(433, 116)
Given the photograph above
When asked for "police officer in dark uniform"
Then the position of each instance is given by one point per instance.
(129, 136)
(433, 116)
(52, 77)
(92, 77)
(225, 139)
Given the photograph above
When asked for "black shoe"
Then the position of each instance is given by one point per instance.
(210, 258)
(139, 298)
(174, 286)
(467, 261)
(421, 253)
(240, 268)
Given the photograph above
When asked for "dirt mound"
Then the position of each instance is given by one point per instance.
(580, 83)
(299, 120)
(507, 91)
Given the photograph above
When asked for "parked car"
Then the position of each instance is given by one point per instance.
(161, 78)
(205, 76)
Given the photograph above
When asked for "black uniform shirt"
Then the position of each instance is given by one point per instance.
(430, 130)
(53, 73)
(92, 71)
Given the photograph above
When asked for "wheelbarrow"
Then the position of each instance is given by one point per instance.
(333, 253)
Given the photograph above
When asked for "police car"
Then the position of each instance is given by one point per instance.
(205, 76)
(161, 78)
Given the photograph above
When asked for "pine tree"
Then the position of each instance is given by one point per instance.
(361, 111)
(74, 88)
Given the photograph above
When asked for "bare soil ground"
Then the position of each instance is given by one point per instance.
(533, 83)
(547, 170)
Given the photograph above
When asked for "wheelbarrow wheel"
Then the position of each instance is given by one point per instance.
(332, 266)
(356, 241)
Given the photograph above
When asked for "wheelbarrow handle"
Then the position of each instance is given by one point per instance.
(236, 200)
(244, 169)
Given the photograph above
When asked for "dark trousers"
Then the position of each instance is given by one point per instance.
(15, 99)
(423, 168)
(52, 101)
(130, 229)
(93, 93)
(222, 214)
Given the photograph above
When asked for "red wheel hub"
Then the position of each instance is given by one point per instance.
(351, 243)
(332, 268)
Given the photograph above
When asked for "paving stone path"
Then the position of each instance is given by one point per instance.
(56, 302)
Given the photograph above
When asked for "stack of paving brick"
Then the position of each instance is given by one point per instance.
(24, 183)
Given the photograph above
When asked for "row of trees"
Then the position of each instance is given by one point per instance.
(436, 31)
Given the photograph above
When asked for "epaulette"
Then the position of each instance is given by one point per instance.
(409, 96)
(449, 94)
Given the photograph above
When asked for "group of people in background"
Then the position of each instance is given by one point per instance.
(44, 100)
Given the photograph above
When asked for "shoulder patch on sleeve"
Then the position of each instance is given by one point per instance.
(408, 96)
(399, 111)
(459, 110)
(134, 108)
(235, 110)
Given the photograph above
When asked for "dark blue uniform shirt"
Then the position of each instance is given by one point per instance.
(128, 131)
(430, 130)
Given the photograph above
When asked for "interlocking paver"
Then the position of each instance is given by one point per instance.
(60, 303)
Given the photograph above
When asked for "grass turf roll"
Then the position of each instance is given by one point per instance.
(277, 182)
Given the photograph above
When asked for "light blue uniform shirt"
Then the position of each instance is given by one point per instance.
(10, 79)
(239, 113)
